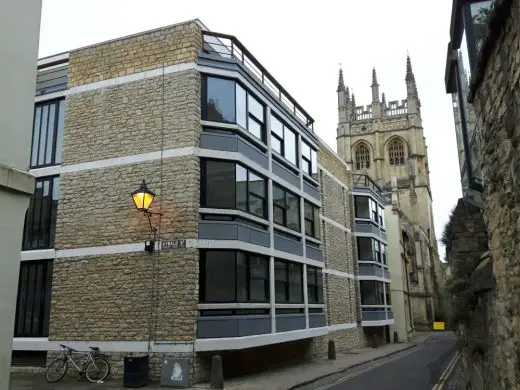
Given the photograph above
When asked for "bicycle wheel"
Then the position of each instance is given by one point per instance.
(97, 370)
(56, 370)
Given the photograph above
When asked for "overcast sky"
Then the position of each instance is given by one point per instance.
(301, 43)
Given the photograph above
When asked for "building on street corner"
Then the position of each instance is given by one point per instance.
(255, 250)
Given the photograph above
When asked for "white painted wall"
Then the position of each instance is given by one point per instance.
(19, 35)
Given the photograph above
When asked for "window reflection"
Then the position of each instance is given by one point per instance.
(480, 13)
(221, 100)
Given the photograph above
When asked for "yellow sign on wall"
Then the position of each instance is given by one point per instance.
(437, 325)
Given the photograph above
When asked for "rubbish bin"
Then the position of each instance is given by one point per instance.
(135, 371)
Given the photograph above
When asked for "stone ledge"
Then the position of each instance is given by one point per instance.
(15, 180)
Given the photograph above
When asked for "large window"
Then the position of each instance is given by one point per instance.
(286, 208)
(230, 185)
(34, 299)
(40, 218)
(314, 284)
(388, 294)
(288, 285)
(396, 152)
(283, 140)
(362, 157)
(47, 133)
(370, 249)
(231, 276)
(309, 159)
(312, 220)
(368, 208)
(227, 101)
(372, 292)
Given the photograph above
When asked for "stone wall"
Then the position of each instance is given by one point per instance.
(137, 53)
(496, 91)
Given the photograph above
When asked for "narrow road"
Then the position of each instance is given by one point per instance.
(415, 369)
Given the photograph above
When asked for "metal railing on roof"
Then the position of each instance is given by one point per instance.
(229, 47)
(361, 180)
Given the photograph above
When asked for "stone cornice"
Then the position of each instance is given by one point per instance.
(15, 180)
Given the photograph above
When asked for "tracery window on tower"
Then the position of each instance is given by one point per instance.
(362, 157)
(396, 152)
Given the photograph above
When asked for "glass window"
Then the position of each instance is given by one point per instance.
(383, 253)
(362, 206)
(312, 220)
(276, 144)
(256, 108)
(33, 304)
(220, 104)
(388, 294)
(40, 218)
(219, 276)
(276, 126)
(255, 128)
(47, 133)
(377, 250)
(288, 282)
(241, 187)
(365, 249)
(230, 185)
(309, 163)
(241, 106)
(381, 216)
(362, 157)
(314, 284)
(290, 149)
(371, 292)
(219, 184)
(233, 276)
(295, 283)
(480, 13)
(374, 212)
(286, 208)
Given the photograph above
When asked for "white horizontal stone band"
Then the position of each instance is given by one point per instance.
(43, 344)
(378, 323)
(40, 254)
(377, 278)
(371, 235)
(336, 327)
(232, 343)
(335, 224)
(341, 274)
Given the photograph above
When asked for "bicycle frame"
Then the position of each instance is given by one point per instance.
(88, 357)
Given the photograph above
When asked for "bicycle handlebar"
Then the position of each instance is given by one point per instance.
(68, 348)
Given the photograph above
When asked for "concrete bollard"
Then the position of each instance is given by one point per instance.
(332, 350)
(217, 373)
(396, 337)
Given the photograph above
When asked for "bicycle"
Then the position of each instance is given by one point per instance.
(94, 367)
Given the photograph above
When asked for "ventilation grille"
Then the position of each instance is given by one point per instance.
(29, 358)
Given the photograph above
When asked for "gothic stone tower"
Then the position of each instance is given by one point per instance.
(385, 140)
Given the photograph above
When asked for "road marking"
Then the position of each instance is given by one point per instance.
(447, 371)
(357, 373)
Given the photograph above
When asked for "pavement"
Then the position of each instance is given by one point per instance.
(392, 366)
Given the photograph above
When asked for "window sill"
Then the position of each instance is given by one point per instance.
(313, 240)
(234, 212)
(289, 305)
(283, 229)
(316, 306)
(311, 180)
(286, 163)
(239, 129)
(245, 305)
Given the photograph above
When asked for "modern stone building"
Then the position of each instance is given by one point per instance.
(254, 255)
(486, 36)
(386, 140)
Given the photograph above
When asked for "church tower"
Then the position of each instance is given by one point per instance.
(385, 140)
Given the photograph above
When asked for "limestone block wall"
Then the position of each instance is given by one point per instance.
(496, 103)
(341, 290)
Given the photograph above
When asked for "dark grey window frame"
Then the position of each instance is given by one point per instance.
(33, 303)
(314, 285)
(314, 221)
(378, 292)
(203, 276)
(249, 115)
(52, 143)
(309, 163)
(285, 208)
(40, 221)
(204, 191)
(287, 282)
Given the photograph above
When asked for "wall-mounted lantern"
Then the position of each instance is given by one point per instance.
(143, 198)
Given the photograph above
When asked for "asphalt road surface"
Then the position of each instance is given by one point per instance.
(418, 368)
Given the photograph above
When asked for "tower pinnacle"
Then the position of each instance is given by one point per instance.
(375, 87)
(409, 72)
(374, 77)
(341, 82)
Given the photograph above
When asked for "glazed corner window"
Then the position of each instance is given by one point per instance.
(228, 185)
(377, 250)
(286, 208)
(314, 284)
(383, 253)
(283, 140)
(288, 283)
(365, 249)
(381, 211)
(40, 218)
(388, 294)
(312, 220)
(362, 206)
(47, 133)
(227, 101)
(33, 304)
(371, 292)
(309, 159)
(233, 276)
